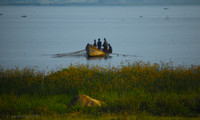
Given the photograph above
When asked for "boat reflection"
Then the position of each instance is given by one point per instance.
(99, 58)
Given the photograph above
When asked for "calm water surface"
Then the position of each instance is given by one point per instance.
(148, 33)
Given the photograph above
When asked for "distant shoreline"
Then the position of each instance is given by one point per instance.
(87, 4)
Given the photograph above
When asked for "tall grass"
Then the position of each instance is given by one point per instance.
(138, 87)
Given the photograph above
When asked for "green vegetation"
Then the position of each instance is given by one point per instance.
(136, 90)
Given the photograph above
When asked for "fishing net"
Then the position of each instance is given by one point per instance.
(76, 53)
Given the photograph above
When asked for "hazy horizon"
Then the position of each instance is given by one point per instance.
(97, 2)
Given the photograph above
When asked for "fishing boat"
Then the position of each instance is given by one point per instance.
(92, 51)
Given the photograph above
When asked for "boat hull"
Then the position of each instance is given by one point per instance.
(92, 51)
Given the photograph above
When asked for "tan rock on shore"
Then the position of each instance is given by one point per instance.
(85, 101)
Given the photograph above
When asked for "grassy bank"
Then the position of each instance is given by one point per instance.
(158, 90)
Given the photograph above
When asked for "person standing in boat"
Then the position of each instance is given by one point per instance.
(95, 43)
(99, 44)
(110, 48)
(105, 45)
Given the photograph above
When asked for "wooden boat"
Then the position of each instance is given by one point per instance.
(92, 51)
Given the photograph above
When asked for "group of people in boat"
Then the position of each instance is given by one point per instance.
(106, 47)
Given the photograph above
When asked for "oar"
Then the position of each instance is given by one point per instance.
(124, 55)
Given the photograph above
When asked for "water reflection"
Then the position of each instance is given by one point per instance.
(99, 58)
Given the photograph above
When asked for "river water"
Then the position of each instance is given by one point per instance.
(32, 35)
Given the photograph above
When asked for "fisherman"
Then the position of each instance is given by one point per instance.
(105, 45)
(110, 48)
(95, 43)
(99, 44)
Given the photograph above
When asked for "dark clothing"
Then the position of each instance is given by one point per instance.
(105, 45)
(95, 44)
(110, 49)
(99, 44)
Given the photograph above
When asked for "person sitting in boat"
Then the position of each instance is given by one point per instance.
(110, 48)
(105, 45)
(99, 44)
(95, 43)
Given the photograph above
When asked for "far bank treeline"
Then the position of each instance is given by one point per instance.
(98, 2)
(158, 89)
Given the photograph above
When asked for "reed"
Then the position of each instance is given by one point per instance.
(158, 89)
